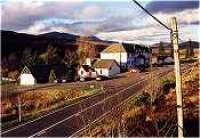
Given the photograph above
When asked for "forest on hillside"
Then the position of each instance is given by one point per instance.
(20, 50)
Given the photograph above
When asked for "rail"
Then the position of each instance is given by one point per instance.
(118, 105)
(122, 103)
(95, 110)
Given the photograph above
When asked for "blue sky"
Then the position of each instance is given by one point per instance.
(107, 19)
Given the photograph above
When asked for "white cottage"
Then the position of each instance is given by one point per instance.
(106, 67)
(26, 77)
(86, 72)
(126, 55)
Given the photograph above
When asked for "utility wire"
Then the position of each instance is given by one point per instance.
(151, 15)
(145, 10)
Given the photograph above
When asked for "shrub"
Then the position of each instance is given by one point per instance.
(167, 85)
(13, 74)
(142, 99)
(52, 76)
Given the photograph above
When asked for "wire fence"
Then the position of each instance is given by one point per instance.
(124, 96)
(170, 125)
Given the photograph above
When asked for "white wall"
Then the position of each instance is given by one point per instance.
(108, 72)
(88, 61)
(27, 79)
(84, 75)
(154, 60)
(114, 70)
(125, 60)
(115, 56)
(105, 71)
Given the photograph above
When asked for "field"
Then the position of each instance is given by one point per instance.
(40, 101)
(35, 101)
(141, 117)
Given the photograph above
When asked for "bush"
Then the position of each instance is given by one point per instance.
(13, 74)
(167, 85)
(142, 99)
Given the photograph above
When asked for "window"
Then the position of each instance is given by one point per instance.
(101, 72)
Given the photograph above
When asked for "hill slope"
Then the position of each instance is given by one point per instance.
(18, 49)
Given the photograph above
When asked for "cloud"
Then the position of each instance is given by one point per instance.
(191, 16)
(91, 11)
(151, 32)
(108, 20)
(151, 35)
(17, 15)
(90, 17)
(172, 6)
(142, 35)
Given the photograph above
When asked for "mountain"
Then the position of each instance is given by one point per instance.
(186, 49)
(57, 35)
(15, 42)
(186, 44)
(20, 49)
(192, 44)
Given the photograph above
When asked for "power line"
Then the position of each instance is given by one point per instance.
(151, 15)
(145, 10)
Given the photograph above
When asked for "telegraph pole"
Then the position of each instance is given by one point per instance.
(174, 37)
(179, 96)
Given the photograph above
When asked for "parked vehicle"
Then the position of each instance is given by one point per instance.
(133, 70)
(82, 79)
(100, 78)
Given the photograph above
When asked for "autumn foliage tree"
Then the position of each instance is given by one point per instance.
(52, 76)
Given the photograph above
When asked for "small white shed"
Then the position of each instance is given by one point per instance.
(86, 71)
(106, 67)
(26, 77)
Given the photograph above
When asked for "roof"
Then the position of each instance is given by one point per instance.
(87, 68)
(93, 60)
(114, 48)
(124, 47)
(104, 63)
(26, 70)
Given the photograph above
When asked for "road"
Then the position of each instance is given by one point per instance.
(70, 119)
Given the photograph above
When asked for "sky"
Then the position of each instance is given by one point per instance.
(120, 20)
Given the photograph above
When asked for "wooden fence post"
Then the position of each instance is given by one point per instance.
(19, 108)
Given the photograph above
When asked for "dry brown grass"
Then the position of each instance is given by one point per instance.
(158, 119)
(43, 99)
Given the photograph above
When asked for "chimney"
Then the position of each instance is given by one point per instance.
(88, 61)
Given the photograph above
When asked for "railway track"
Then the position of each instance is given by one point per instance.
(66, 121)
(73, 118)
(92, 113)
